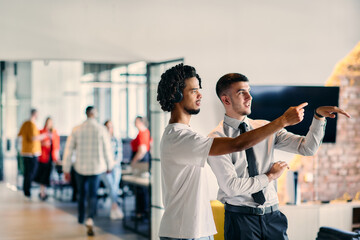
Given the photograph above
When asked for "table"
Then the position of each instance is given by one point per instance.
(135, 181)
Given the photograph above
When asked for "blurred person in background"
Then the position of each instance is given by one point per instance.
(30, 149)
(140, 146)
(112, 179)
(50, 146)
(92, 145)
(141, 157)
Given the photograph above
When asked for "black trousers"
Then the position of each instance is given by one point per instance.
(271, 226)
(30, 166)
(73, 184)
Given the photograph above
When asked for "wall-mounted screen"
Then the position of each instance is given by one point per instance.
(269, 102)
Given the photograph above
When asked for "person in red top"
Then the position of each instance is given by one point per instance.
(141, 153)
(50, 146)
(141, 144)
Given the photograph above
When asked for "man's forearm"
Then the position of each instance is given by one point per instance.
(222, 146)
(313, 138)
(244, 141)
(138, 156)
(237, 186)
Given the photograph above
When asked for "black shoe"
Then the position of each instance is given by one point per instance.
(81, 220)
(90, 227)
(90, 231)
(43, 198)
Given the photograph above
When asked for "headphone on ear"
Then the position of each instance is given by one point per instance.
(178, 96)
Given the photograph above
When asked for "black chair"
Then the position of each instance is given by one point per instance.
(59, 184)
(127, 152)
(328, 233)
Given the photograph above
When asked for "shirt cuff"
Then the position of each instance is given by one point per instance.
(318, 122)
(264, 180)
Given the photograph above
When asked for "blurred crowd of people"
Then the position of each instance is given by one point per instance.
(92, 155)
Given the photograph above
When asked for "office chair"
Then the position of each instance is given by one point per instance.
(328, 233)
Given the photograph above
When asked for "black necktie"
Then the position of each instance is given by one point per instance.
(251, 160)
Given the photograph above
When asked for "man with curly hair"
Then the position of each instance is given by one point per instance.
(183, 153)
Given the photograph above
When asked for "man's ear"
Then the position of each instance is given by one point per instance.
(225, 100)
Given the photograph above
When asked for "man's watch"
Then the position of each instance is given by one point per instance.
(318, 115)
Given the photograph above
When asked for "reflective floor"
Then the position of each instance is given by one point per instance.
(22, 218)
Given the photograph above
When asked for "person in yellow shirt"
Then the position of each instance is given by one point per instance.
(30, 149)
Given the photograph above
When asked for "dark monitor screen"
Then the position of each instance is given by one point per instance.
(270, 102)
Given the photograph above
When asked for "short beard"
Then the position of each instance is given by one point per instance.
(192, 111)
(243, 113)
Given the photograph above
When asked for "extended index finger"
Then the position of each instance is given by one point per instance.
(339, 110)
(302, 105)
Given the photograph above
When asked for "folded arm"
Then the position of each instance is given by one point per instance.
(232, 185)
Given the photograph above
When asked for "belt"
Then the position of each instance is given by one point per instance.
(251, 210)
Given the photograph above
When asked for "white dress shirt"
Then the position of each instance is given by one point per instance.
(188, 213)
(91, 143)
(231, 170)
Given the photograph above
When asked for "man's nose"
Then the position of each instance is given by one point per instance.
(248, 96)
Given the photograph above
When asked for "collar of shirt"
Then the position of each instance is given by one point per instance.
(234, 123)
(90, 120)
(179, 125)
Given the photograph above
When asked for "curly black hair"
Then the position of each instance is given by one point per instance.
(172, 79)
